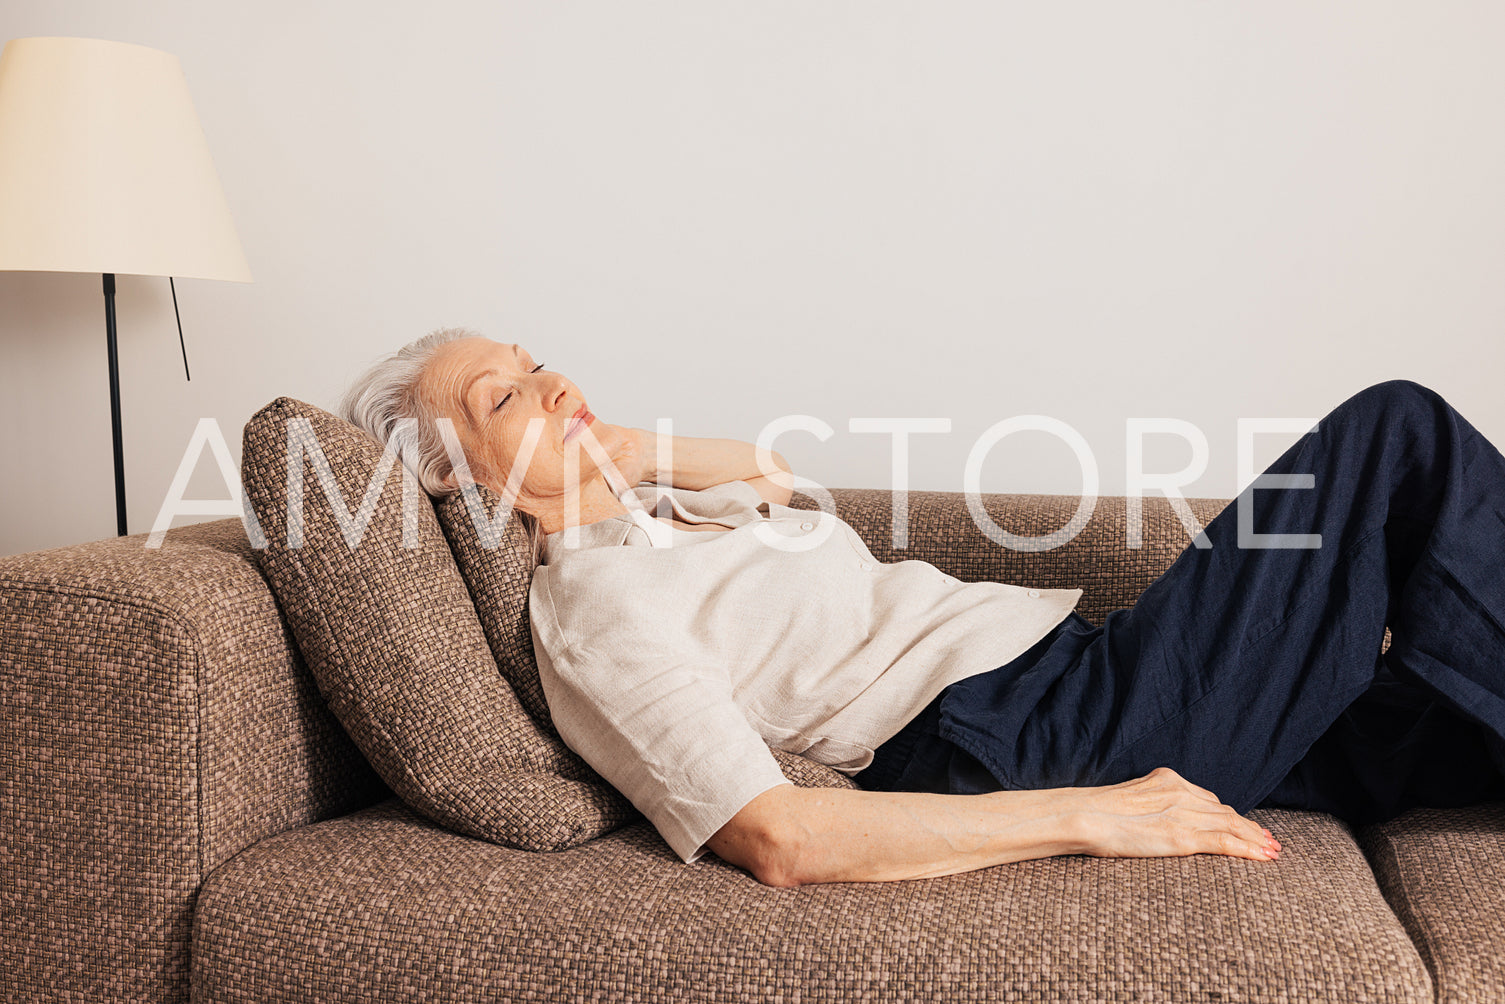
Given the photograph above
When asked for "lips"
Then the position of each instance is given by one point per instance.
(578, 421)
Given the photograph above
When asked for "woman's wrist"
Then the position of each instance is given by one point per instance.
(1076, 830)
(1062, 824)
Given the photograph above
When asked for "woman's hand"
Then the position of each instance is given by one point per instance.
(633, 451)
(1161, 815)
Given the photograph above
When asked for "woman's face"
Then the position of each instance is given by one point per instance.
(491, 391)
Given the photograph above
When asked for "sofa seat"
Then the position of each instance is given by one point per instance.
(384, 905)
(1444, 872)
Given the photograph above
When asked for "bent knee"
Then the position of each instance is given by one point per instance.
(1388, 402)
(1400, 393)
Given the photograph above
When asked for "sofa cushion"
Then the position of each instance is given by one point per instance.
(1444, 872)
(381, 905)
(497, 563)
(392, 639)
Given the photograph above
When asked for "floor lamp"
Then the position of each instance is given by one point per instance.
(104, 168)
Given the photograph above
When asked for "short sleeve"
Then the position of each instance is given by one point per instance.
(664, 732)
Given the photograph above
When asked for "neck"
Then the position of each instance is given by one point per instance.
(595, 502)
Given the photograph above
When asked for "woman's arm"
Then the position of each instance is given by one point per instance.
(696, 463)
(791, 836)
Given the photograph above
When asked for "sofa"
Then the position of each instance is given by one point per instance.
(187, 818)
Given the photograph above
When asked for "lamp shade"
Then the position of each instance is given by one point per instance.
(104, 167)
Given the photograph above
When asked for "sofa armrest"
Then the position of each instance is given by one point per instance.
(1097, 560)
(156, 721)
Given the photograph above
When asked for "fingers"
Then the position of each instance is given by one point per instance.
(619, 448)
(1197, 790)
(614, 479)
(1234, 834)
(1259, 848)
(1226, 843)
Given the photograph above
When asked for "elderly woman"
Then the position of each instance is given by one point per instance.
(685, 619)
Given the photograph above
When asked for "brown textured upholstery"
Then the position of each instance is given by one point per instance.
(1444, 872)
(499, 573)
(156, 722)
(382, 905)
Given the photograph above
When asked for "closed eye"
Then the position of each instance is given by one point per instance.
(504, 400)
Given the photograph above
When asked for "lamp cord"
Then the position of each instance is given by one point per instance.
(180, 327)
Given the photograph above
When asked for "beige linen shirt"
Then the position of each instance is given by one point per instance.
(673, 659)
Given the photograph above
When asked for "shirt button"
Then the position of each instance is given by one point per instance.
(867, 566)
(1034, 594)
(807, 525)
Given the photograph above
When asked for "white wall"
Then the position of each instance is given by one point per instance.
(728, 212)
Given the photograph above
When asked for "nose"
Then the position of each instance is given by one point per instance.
(553, 393)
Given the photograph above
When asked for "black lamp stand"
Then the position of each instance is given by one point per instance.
(115, 389)
(115, 402)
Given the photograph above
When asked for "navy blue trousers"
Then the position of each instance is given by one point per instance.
(1255, 671)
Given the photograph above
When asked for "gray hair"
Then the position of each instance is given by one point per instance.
(387, 393)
